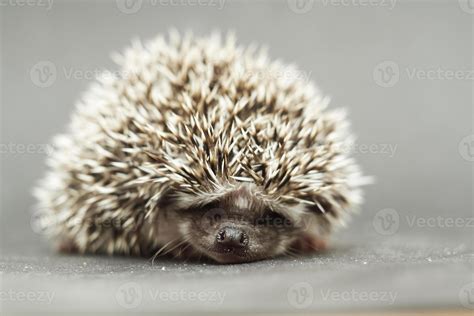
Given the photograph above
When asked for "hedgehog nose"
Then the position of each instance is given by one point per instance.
(230, 238)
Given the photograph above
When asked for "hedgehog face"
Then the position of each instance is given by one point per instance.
(237, 228)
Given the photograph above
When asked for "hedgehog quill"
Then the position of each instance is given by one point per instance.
(200, 148)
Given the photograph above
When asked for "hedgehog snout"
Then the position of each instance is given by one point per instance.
(230, 239)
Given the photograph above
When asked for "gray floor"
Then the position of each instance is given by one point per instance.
(412, 244)
(403, 271)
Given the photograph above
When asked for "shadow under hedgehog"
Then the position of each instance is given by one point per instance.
(200, 149)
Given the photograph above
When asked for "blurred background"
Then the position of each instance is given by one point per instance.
(404, 71)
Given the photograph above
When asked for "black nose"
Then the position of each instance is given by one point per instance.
(230, 238)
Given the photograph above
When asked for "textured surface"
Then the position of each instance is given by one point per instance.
(415, 126)
(405, 271)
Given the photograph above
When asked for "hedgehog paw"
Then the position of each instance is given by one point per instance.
(308, 244)
(67, 246)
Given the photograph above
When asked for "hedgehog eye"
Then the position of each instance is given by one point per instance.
(211, 206)
(271, 218)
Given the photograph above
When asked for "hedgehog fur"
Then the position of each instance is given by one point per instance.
(194, 118)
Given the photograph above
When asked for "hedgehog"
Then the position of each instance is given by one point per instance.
(200, 148)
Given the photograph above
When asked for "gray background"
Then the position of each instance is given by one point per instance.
(341, 48)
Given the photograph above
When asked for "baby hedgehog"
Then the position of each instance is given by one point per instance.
(200, 149)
